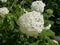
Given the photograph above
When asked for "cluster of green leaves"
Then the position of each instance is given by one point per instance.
(47, 15)
(55, 6)
(45, 38)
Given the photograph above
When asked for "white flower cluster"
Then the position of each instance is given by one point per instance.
(56, 42)
(3, 11)
(38, 6)
(31, 23)
(3, 0)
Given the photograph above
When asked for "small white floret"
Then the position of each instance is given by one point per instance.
(47, 27)
(56, 42)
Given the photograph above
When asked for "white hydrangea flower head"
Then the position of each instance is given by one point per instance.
(47, 27)
(38, 6)
(3, 0)
(3, 11)
(56, 42)
(31, 23)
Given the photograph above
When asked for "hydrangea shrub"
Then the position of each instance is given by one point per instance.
(10, 32)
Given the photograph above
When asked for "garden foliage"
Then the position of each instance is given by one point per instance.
(10, 33)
